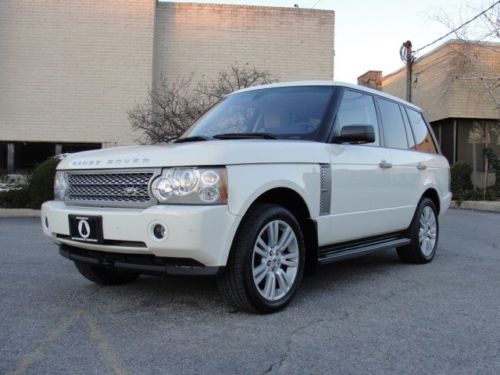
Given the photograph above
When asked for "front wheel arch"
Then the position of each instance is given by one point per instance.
(295, 203)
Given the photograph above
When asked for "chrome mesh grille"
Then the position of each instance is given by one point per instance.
(109, 188)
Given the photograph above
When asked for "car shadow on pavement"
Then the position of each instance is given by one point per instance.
(190, 293)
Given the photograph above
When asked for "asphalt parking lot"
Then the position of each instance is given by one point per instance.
(369, 315)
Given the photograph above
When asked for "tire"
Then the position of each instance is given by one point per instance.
(262, 276)
(423, 233)
(105, 276)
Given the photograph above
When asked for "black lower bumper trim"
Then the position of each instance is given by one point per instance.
(146, 264)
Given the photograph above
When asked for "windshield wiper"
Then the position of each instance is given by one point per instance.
(244, 136)
(195, 138)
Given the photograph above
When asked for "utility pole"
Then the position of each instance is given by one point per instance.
(406, 54)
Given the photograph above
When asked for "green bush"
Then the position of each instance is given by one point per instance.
(41, 183)
(15, 198)
(461, 182)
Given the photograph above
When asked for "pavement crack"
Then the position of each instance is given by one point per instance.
(284, 356)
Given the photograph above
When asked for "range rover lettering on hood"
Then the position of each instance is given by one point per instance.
(83, 162)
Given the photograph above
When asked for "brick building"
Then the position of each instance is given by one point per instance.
(458, 86)
(69, 71)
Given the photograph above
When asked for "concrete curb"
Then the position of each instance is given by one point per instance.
(19, 212)
(491, 206)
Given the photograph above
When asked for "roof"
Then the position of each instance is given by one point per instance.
(328, 83)
(440, 47)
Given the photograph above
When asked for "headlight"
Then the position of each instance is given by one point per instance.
(191, 186)
(60, 185)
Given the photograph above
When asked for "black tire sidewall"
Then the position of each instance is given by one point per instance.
(268, 214)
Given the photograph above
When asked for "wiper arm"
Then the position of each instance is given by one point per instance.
(244, 136)
(195, 138)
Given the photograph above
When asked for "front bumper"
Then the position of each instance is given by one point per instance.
(201, 233)
(146, 264)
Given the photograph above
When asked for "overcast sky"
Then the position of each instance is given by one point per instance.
(368, 33)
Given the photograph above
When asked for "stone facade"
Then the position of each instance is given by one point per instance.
(456, 80)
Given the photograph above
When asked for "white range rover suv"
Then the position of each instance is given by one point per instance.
(268, 184)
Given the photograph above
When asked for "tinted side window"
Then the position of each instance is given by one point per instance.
(409, 132)
(393, 124)
(357, 109)
(423, 137)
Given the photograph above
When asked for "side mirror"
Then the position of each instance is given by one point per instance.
(355, 134)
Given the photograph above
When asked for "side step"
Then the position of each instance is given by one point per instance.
(338, 253)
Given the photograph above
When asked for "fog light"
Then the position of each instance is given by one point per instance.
(159, 231)
(46, 222)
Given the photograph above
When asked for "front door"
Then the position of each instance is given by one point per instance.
(361, 199)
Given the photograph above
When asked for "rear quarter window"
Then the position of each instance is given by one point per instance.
(423, 137)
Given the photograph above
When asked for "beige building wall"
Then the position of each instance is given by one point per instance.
(193, 40)
(453, 81)
(69, 70)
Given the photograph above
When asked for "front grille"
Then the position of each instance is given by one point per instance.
(110, 188)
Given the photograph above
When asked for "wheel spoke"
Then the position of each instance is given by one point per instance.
(428, 214)
(286, 238)
(432, 219)
(282, 280)
(272, 233)
(260, 247)
(270, 286)
(290, 259)
(422, 221)
(259, 273)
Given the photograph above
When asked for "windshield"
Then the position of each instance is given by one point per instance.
(282, 112)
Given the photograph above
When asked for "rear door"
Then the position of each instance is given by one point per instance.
(405, 178)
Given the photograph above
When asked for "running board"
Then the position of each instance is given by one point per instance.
(337, 254)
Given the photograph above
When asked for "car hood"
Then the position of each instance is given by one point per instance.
(218, 152)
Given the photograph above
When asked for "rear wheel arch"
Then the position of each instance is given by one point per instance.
(433, 195)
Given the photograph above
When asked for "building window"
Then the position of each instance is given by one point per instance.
(3, 158)
(473, 137)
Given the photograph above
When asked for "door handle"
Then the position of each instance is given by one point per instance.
(384, 164)
(421, 166)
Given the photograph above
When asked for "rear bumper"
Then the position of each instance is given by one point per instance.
(201, 233)
(445, 203)
(146, 264)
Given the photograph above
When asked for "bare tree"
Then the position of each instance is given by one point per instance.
(235, 78)
(474, 37)
(172, 107)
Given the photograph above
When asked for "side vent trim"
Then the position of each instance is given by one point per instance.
(326, 189)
